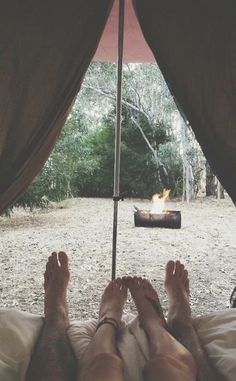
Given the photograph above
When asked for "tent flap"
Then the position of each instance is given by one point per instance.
(194, 45)
(44, 56)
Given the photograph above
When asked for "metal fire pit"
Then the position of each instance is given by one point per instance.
(168, 219)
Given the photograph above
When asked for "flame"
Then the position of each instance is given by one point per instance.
(158, 200)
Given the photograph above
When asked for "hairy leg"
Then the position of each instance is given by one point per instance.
(101, 361)
(53, 358)
(179, 318)
(169, 360)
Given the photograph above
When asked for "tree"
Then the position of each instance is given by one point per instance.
(145, 96)
(138, 168)
(153, 149)
(56, 180)
(66, 157)
(210, 181)
(213, 186)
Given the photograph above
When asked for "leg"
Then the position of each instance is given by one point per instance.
(53, 358)
(101, 361)
(169, 360)
(179, 318)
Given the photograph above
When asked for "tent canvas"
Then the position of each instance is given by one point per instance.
(45, 56)
(136, 48)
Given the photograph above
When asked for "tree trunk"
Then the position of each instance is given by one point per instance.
(188, 179)
(184, 184)
(220, 191)
(68, 190)
(162, 172)
(189, 183)
(210, 181)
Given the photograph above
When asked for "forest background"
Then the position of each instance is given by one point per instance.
(158, 147)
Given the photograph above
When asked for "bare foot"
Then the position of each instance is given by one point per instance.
(148, 305)
(53, 357)
(177, 287)
(56, 278)
(153, 322)
(113, 300)
(179, 318)
(104, 340)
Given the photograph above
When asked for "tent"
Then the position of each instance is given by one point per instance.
(46, 48)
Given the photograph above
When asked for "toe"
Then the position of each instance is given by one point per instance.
(118, 283)
(63, 259)
(170, 266)
(177, 268)
(185, 275)
(110, 286)
(54, 260)
(124, 287)
(187, 286)
(133, 285)
(181, 270)
(123, 283)
(145, 284)
(127, 280)
(149, 285)
(49, 264)
(48, 269)
(135, 280)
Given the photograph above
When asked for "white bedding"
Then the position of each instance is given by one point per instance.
(19, 332)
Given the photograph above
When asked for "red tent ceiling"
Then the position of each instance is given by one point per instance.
(135, 47)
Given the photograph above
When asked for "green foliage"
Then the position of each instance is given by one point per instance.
(172, 160)
(82, 162)
(139, 172)
(56, 181)
(195, 159)
(99, 182)
(34, 196)
(138, 175)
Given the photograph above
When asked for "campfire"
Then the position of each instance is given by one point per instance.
(158, 215)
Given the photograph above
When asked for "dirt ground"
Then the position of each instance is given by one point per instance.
(82, 227)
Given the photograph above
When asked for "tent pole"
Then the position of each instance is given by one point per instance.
(116, 190)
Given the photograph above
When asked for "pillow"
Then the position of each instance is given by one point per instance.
(19, 332)
(217, 333)
(133, 354)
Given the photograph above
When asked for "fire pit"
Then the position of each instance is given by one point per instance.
(168, 219)
(157, 216)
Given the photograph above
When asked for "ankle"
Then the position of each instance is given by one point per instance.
(177, 322)
(179, 311)
(57, 316)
